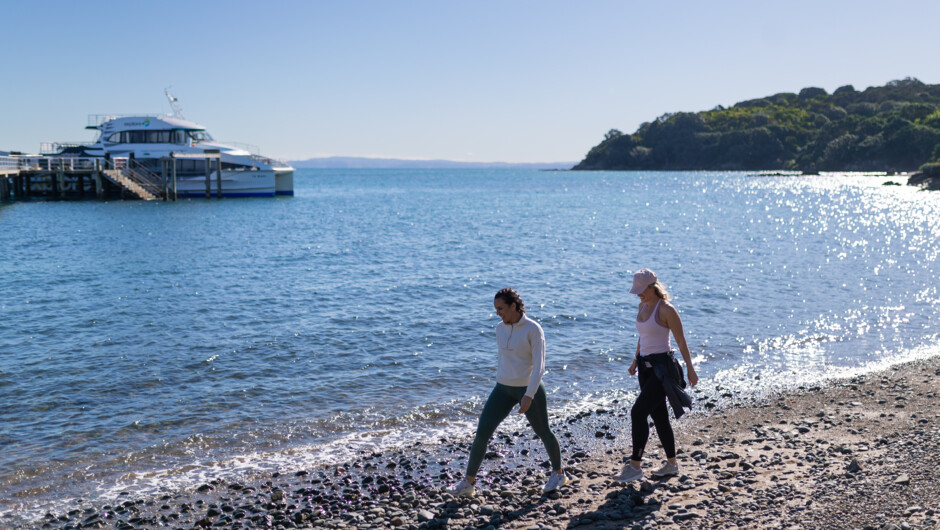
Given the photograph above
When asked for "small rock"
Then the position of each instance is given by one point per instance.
(903, 479)
(853, 467)
(424, 515)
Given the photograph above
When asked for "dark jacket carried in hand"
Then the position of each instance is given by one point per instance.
(667, 369)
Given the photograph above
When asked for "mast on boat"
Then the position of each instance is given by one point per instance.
(174, 103)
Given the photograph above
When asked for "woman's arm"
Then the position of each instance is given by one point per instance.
(674, 323)
(537, 342)
(636, 356)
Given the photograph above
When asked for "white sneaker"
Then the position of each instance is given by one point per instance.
(462, 489)
(556, 481)
(629, 474)
(668, 470)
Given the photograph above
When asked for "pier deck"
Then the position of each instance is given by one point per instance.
(69, 177)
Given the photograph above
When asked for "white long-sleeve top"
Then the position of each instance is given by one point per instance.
(521, 354)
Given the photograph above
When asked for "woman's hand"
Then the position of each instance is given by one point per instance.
(525, 404)
(693, 377)
(632, 368)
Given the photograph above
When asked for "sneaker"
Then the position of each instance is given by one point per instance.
(556, 481)
(462, 489)
(629, 474)
(668, 470)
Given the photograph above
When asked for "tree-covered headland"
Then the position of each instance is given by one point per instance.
(895, 127)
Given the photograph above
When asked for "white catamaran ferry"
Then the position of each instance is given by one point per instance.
(152, 139)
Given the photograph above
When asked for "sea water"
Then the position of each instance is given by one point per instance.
(146, 347)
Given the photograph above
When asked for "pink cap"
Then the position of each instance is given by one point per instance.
(642, 279)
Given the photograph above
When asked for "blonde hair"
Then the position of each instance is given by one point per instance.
(660, 290)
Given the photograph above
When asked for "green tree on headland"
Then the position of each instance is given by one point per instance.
(891, 128)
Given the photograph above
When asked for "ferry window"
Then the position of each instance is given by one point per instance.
(200, 136)
(149, 137)
(160, 137)
(191, 167)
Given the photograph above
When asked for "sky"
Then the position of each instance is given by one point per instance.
(481, 81)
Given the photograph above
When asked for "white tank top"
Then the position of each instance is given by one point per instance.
(654, 338)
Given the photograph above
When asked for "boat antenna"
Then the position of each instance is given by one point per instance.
(177, 111)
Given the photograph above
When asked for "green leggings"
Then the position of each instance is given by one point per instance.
(501, 402)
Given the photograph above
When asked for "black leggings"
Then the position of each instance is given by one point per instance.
(500, 403)
(651, 402)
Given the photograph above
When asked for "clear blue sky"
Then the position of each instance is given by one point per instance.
(516, 81)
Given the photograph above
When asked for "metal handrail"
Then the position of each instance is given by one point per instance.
(154, 182)
(267, 160)
(55, 147)
(251, 148)
(9, 163)
(138, 174)
(56, 163)
(95, 120)
(255, 153)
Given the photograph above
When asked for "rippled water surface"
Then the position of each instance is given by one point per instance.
(152, 345)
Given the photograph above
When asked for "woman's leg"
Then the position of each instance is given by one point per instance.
(651, 395)
(660, 415)
(497, 407)
(538, 419)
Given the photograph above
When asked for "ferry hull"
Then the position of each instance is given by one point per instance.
(259, 183)
(284, 182)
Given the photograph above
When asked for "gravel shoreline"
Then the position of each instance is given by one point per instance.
(856, 453)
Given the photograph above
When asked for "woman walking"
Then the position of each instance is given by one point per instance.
(660, 375)
(521, 347)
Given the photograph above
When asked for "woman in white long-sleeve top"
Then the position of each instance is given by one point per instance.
(521, 345)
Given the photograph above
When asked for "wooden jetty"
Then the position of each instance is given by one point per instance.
(71, 177)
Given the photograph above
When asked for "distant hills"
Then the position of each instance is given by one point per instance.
(891, 128)
(347, 162)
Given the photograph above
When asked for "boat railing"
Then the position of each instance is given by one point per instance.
(253, 150)
(95, 120)
(255, 153)
(266, 160)
(52, 148)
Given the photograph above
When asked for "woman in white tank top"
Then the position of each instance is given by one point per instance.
(656, 319)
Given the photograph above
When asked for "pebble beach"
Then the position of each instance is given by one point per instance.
(853, 453)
